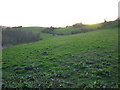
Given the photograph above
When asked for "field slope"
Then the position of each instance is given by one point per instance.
(85, 60)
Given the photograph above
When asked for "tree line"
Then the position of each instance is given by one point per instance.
(15, 35)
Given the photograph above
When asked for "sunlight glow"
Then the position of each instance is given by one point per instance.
(57, 13)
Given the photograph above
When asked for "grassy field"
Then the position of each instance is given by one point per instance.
(86, 60)
(38, 30)
(33, 29)
(68, 30)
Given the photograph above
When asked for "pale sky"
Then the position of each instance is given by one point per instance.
(57, 13)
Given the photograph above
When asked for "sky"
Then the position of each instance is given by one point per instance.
(56, 13)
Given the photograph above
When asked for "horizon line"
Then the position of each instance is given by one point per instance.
(57, 26)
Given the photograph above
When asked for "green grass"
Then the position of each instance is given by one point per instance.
(93, 25)
(33, 29)
(38, 30)
(86, 60)
(45, 36)
(68, 30)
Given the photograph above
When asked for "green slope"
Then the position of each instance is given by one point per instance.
(33, 29)
(83, 60)
(68, 30)
(38, 30)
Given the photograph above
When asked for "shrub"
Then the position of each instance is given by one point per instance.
(80, 31)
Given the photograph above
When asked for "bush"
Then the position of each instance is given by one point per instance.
(49, 30)
(80, 31)
(77, 25)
